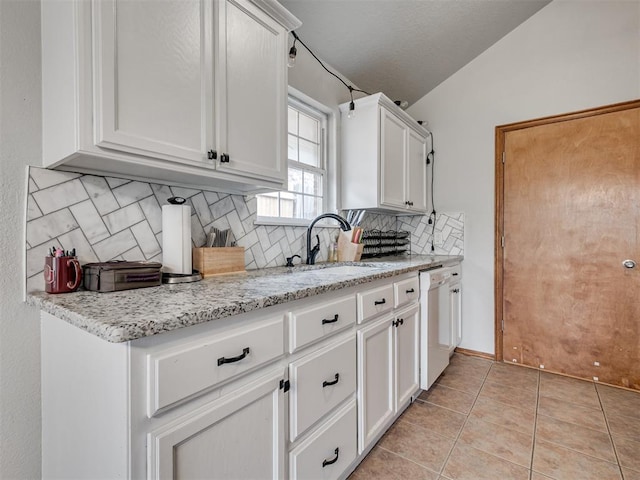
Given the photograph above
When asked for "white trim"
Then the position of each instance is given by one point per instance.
(291, 222)
(328, 145)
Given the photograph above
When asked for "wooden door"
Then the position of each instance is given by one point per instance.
(571, 216)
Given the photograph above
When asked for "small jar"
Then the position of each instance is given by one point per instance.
(333, 252)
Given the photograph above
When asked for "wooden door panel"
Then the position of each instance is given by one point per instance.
(571, 216)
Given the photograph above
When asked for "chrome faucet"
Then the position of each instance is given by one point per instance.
(312, 252)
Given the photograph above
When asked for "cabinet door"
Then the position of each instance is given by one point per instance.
(251, 91)
(456, 315)
(239, 436)
(393, 144)
(150, 74)
(375, 380)
(407, 355)
(417, 172)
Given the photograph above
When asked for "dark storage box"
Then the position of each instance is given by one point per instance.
(118, 275)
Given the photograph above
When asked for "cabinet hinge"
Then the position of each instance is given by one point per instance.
(503, 156)
(502, 326)
(502, 241)
(284, 384)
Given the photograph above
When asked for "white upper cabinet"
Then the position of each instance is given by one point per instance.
(383, 146)
(252, 92)
(190, 92)
(150, 78)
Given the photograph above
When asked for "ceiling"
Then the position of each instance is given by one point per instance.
(404, 48)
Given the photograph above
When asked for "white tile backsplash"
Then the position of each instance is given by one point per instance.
(46, 178)
(90, 221)
(146, 240)
(131, 192)
(60, 196)
(115, 245)
(124, 218)
(106, 218)
(48, 227)
(116, 182)
(100, 194)
(33, 211)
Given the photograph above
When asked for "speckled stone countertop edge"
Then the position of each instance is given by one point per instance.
(132, 314)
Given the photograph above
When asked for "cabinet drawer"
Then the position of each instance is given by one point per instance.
(180, 373)
(335, 440)
(319, 382)
(311, 324)
(374, 302)
(406, 291)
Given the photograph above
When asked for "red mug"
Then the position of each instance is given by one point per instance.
(61, 274)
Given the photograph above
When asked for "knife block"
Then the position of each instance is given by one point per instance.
(211, 261)
(347, 251)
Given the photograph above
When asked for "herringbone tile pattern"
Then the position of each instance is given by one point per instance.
(106, 218)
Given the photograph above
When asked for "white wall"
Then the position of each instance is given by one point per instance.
(571, 55)
(20, 131)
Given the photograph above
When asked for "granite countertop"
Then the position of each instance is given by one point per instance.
(131, 314)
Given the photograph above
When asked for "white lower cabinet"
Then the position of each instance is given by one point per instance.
(328, 451)
(388, 370)
(239, 436)
(225, 400)
(375, 380)
(407, 354)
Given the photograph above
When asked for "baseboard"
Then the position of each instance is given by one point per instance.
(475, 353)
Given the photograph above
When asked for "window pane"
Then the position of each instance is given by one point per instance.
(268, 204)
(292, 121)
(312, 206)
(308, 128)
(287, 205)
(309, 153)
(295, 180)
(297, 205)
(293, 148)
(313, 184)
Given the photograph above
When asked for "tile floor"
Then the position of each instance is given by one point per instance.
(487, 420)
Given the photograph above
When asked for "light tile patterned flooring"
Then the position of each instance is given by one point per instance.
(487, 420)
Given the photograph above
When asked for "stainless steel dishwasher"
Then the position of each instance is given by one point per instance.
(436, 339)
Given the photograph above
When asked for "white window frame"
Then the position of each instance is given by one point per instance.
(328, 147)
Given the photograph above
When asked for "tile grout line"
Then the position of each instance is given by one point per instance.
(606, 421)
(404, 458)
(455, 442)
(535, 427)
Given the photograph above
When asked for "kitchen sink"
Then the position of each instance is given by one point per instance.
(344, 270)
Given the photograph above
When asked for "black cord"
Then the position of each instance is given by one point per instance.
(350, 87)
(431, 157)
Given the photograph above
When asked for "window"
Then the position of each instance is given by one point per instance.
(305, 197)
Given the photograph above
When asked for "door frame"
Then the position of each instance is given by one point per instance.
(501, 131)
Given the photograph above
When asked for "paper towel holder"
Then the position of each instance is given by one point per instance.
(176, 200)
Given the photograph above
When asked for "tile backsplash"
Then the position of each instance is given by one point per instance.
(106, 218)
(448, 226)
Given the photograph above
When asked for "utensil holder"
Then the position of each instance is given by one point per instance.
(347, 251)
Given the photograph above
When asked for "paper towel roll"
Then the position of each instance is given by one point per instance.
(176, 239)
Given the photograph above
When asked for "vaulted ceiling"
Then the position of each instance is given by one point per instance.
(405, 48)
